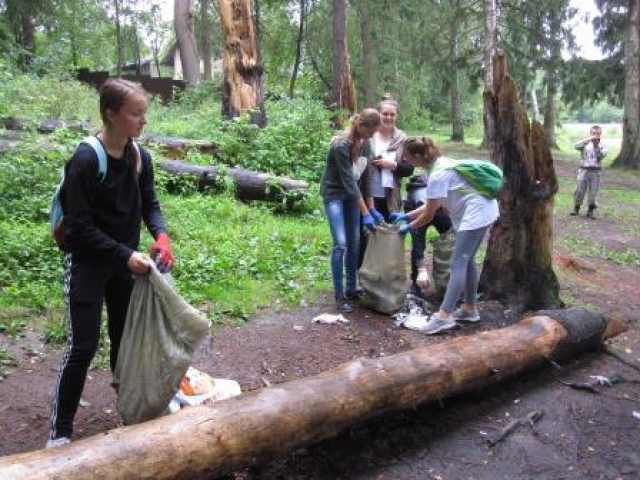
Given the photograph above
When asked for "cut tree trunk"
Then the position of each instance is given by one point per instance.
(173, 147)
(242, 71)
(213, 440)
(249, 185)
(518, 268)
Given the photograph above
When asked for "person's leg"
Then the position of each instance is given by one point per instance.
(117, 297)
(418, 246)
(352, 230)
(467, 242)
(594, 186)
(581, 188)
(471, 282)
(382, 205)
(334, 210)
(83, 296)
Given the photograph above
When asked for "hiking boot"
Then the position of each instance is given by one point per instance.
(56, 442)
(464, 315)
(344, 306)
(437, 324)
(590, 212)
(576, 211)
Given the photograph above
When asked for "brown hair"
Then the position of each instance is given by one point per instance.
(423, 147)
(387, 99)
(368, 117)
(114, 93)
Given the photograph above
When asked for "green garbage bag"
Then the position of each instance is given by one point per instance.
(383, 272)
(161, 333)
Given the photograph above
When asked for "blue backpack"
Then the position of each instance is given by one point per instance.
(55, 212)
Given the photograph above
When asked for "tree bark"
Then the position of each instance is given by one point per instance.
(368, 53)
(629, 156)
(249, 185)
(242, 70)
(185, 36)
(213, 440)
(119, 42)
(490, 41)
(296, 64)
(518, 268)
(205, 38)
(457, 127)
(343, 90)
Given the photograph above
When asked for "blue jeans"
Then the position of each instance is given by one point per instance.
(343, 216)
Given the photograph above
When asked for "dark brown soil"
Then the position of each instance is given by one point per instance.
(581, 435)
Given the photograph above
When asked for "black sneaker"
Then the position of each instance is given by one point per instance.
(344, 306)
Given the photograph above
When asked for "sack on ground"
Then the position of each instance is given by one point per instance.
(383, 272)
(161, 333)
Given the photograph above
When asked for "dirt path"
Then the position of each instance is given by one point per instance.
(581, 435)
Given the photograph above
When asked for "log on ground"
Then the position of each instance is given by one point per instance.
(250, 185)
(213, 440)
(178, 147)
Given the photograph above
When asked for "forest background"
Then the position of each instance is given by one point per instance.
(235, 258)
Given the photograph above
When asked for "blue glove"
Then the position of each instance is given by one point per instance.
(368, 222)
(397, 217)
(404, 229)
(377, 216)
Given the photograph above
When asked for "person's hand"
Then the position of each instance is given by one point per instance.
(138, 263)
(404, 229)
(367, 221)
(377, 216)
(397, 217)
(161, 253)
(424, 280)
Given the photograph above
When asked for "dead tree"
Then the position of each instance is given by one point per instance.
(213, 440)
(242, 89)
(518, 268)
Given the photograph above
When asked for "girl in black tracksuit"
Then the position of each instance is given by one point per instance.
(101, 236)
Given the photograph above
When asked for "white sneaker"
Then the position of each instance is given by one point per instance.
(464, 315)
(437, 324)
(56, 442)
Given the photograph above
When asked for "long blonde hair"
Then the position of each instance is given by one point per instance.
(368, 117)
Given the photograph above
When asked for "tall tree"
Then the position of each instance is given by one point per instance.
(368, 53)
(629, 156)
(183, 22)
(119, 42)
(490, 46)
(242, 71)
(302, 6)
(343, 93)
(205, 38)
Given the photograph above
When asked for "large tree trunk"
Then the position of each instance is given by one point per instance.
(552, 78)
(629, 156)
(368, 54)
(249, 185)
(518, 267)
(209, 441)
(457, 127)
(490, 41)
(205, 38)
(242, 71)
(119, 42)
(343, 90)
(183, 25)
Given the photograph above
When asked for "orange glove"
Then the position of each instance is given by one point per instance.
(161, 252)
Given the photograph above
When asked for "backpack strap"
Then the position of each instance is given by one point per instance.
(97, 146)
(138, 160)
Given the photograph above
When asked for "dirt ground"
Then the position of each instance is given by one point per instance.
(581, 434)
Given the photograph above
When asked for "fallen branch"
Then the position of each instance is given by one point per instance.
(529, 420)
(622, 356)
(213, 440)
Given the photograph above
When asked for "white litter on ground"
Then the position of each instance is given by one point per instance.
(330, 318)
(417, 316)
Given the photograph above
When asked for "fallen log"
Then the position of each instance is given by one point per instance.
(249, 185)
(176, 146)
(212, 440)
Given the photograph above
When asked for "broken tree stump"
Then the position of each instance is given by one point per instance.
(249, 185)
(212, 440)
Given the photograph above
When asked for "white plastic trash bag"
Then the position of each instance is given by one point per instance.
(198, 387)
(161, 333)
